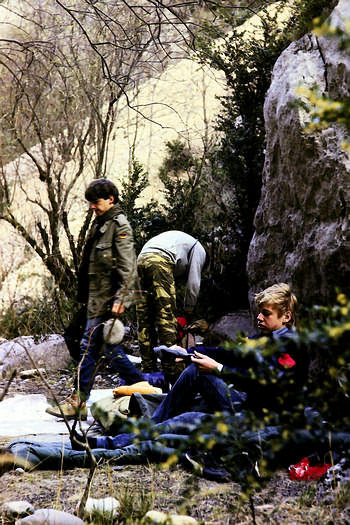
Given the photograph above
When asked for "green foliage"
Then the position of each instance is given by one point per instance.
(142, 217)
(185, 183)
(36, 317)
(307, 499)
(305, 12)
(134, 504)
(247, 63)
(303, 418)
(248, 66)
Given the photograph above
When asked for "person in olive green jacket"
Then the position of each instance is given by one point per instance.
(106, 282)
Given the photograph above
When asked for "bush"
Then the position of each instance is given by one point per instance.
(36, 317)
(311, 417)
(238, 159)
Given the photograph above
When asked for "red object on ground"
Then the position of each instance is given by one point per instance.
(286, 361)
(303, 472)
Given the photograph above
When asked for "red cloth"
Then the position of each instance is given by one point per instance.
(303, 472)
(286, 361)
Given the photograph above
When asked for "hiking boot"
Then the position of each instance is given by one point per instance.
(72, 408)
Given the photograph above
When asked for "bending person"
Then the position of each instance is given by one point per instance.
(168, 255)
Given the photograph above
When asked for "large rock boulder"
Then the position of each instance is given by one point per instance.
(302, 222)
(49, 352)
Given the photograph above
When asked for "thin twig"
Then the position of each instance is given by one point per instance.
(13, 375)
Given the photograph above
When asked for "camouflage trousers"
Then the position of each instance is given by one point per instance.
(156, 317)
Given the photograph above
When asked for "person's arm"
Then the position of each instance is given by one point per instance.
(206, 363)
(117, 309)
(216, 360)
(196, 263)
(125, 265)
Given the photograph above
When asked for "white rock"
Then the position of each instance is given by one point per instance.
(33, 372)
(17, 509)
(179, 519)
(156, 516)
(109, 506)
(50, 517)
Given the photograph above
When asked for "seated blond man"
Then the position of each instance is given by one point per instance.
(212, 367)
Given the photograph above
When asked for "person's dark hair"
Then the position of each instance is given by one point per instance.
(101, 189)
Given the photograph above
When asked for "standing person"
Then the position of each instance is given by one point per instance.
(164, 257)
(106, 282)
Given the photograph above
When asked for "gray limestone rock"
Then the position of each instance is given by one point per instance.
(302, 224)
(157, 516)
(50, 352)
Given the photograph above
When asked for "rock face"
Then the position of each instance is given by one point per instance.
(229, 324)
(302, 223)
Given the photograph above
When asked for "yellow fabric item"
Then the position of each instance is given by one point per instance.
(142, 387)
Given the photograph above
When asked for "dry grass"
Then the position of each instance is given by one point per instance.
(140, 488)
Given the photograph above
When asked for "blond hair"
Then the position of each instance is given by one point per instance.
(281, 297)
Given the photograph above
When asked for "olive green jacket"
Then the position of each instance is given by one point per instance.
(112, 273)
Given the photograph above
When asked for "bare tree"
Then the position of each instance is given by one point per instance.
(57, 113)
(64, 69)
(162, 30)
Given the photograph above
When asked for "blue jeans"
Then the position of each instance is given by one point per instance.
(91, 346)
(182, 424)
(214, 391)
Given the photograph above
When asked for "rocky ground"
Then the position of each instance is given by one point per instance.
(140, 488)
